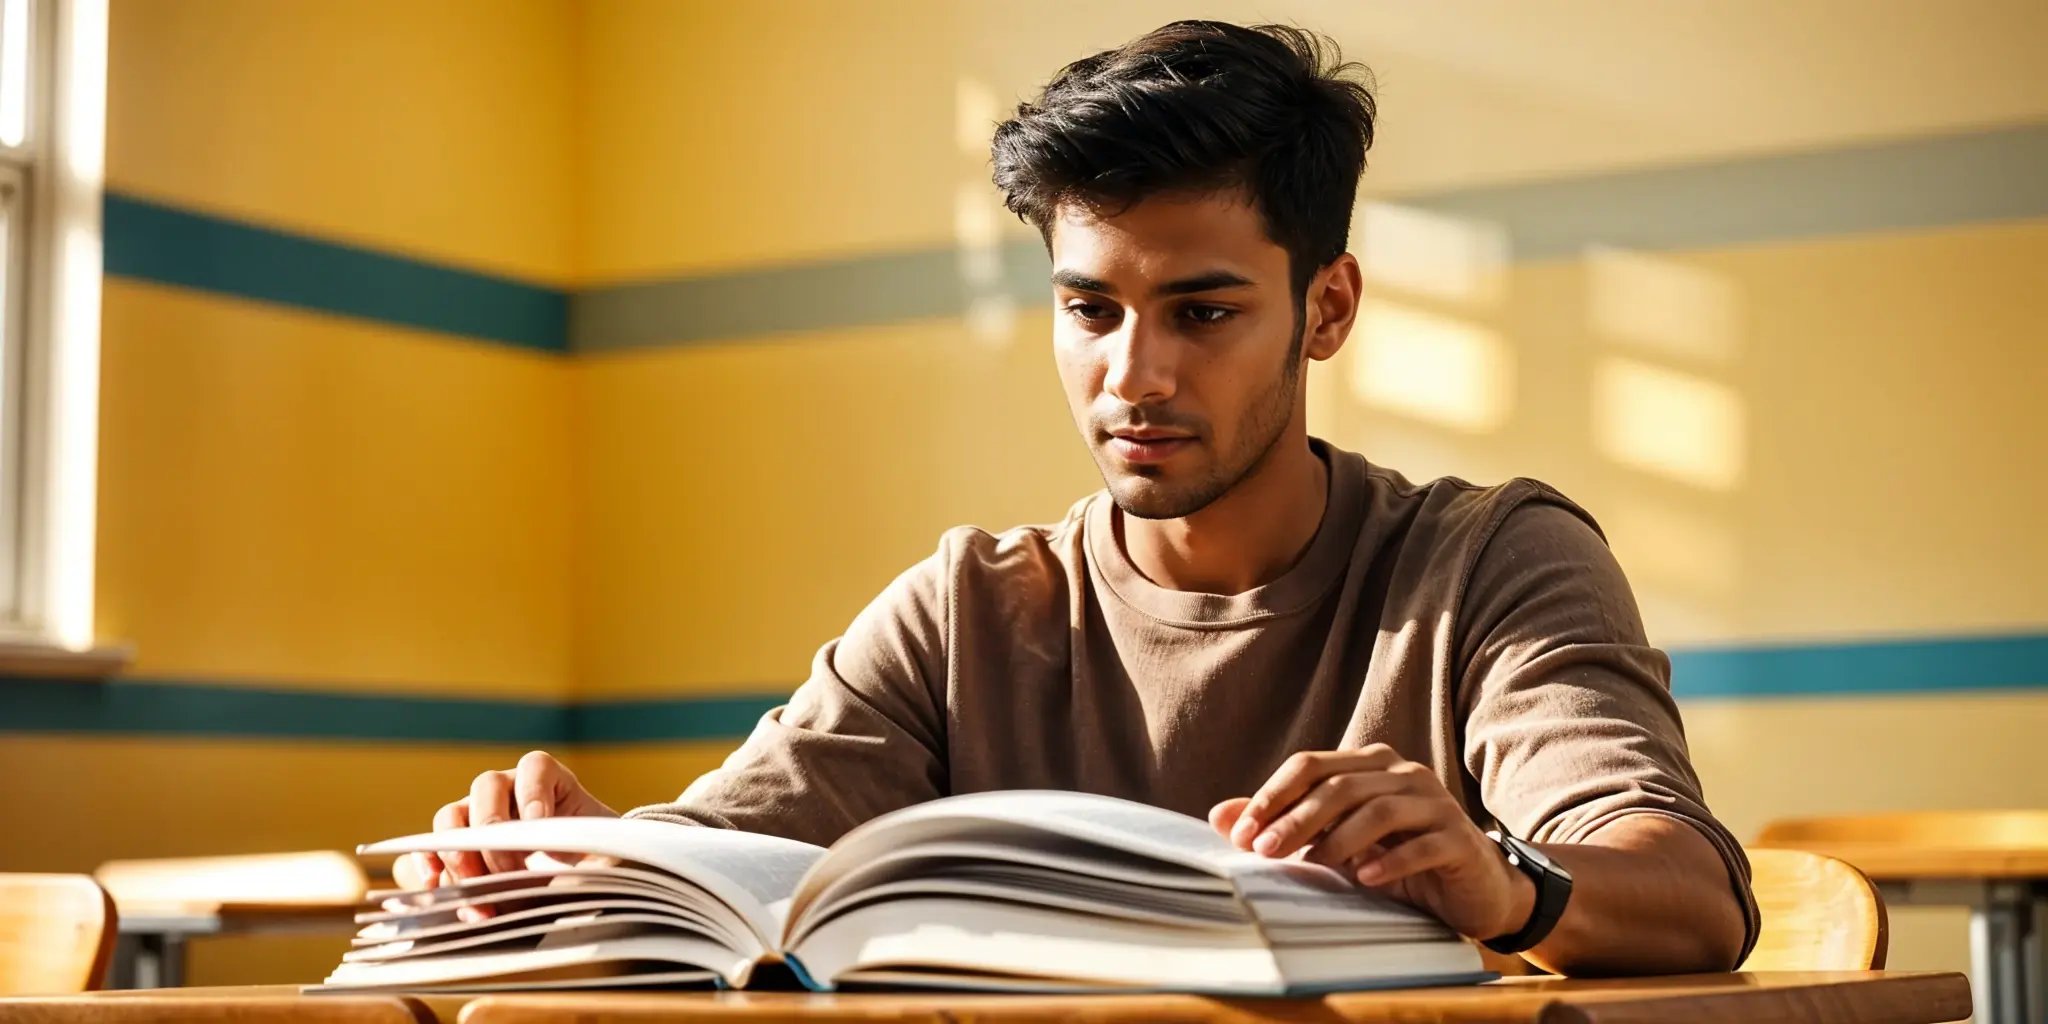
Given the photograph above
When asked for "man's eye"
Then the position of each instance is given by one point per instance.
(1208, 315)
(1088, 312)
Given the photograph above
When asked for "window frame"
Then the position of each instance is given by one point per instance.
(49, 412)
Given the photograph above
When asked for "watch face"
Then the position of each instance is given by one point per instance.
(1520, 853)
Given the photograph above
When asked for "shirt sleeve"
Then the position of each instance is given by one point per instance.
(1568, 717)
(863, 735)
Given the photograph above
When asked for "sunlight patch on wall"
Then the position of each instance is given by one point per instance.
(1432, 254)
(991, 315)
(975, 113)
(1673, 544)
(1674, 424)
(1663, 306)
(1434, 368)
(992, 320)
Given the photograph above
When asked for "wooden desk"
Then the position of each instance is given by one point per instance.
(149, 952)
(1864, 997)
(259, 1004)
(1893, 862)
(163, 902)
(2006, 890)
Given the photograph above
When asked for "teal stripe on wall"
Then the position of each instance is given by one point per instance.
(1868, 668)
(662, 720)
(1865, 668)
(180, 708)
(153, 242)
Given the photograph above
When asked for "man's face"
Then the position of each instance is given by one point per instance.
(1176, 336)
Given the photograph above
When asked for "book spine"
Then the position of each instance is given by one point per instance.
(804, 975)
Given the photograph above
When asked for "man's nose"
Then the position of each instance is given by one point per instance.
(1143, 363)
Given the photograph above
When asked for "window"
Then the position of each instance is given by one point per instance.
(53, 58)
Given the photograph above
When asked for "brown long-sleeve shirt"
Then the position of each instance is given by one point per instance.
(1487, 632)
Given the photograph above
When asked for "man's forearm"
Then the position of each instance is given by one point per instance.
(1650, 895)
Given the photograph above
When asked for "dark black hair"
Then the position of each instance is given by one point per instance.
(1197, 106)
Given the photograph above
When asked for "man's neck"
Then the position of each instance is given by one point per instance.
(1245, 539)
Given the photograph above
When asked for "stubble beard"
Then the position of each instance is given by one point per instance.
(1264, 428)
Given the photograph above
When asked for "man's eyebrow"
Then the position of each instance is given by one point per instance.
(1080, 282)
(1209, 282)
(1206, 282)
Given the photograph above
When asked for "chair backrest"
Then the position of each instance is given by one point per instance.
(1819, 914)
(1974, 829)
(56, 934)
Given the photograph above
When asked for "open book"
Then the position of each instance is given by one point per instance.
(1008, 891)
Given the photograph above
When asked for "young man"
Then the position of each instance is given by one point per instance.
(1325, 659)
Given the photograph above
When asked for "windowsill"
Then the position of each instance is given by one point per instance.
(46, 660)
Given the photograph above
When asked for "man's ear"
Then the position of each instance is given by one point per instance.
(1333, 297)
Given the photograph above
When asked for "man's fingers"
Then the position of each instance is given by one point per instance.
(1326, 803)
(1423, 853)
(417, 871)
(451, 816)
(490, 799)
(1223, 817)
(1295, 777)
(490, 802)
(540, 785)
(459, 864)
(1376, 820)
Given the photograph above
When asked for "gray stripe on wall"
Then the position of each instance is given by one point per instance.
(861, 292)
(1925, 182)
(1892, 186)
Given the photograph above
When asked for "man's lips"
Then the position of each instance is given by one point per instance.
(1146, 447)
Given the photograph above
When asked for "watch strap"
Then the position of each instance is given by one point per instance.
(1553, 890)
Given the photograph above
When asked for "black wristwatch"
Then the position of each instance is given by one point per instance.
(1553, 891)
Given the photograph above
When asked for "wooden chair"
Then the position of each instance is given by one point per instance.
(1819, 914)
(56, 934)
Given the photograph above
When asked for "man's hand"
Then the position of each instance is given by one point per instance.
(1390, 824)
(539, 787)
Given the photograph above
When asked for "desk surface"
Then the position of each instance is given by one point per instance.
(196, 916)
(1870, 997)
(1904, 862)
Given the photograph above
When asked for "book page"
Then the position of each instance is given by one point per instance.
(614, 956)
(1029, 862)
(568, 930)
(1298, 902)
(572, 875)
(1121, 824)
(1287, 892)
(1152, 832)
(535, 899)
(753, 874)
(968, 938)
(440, 926)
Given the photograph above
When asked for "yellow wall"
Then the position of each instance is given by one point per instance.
(293, 500)
(296, 500)
(1839, 451)
(440, 129)
(289, 497)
